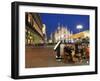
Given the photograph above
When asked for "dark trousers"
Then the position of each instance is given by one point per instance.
(58, 52)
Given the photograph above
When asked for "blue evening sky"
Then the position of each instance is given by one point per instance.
(67, 20)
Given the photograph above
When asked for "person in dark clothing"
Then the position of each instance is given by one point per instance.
(76, 48)
(68, 53)
(57, 49)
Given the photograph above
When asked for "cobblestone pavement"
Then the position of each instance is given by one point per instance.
(43, 57)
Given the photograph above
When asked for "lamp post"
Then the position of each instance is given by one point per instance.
(79, 27)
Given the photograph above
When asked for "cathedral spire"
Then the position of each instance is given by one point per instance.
(58, 26)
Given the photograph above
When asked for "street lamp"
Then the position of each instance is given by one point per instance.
(79, 27)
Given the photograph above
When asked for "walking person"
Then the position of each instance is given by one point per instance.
(57, 49)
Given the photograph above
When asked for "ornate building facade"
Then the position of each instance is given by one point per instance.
(61, 33)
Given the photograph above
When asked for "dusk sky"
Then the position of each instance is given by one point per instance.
(67, 20)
